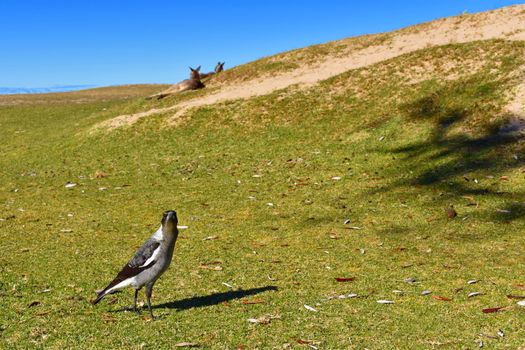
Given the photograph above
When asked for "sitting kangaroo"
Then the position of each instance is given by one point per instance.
(193, 83)
(218, 68)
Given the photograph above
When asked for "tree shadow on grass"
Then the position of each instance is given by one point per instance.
(213, 299)
(510, 212)
(467, 136)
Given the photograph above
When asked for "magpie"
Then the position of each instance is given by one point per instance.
(148, 264)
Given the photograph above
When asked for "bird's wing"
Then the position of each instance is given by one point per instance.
(143, 260)
(146, 254)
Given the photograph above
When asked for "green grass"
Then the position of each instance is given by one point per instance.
(403, 151)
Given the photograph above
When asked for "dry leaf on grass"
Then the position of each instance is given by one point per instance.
(213, 268)
(344, 279)
(210, 238)
(108, 318)
(254, 301)
(45, 313)
(309, 308)
(512, 296)
(494, 309)
(309, 343)
(34, 303)
(185, 344)
(410, 280)
(451, 212)
(385, 302)
(265, 319)
(354, 228)
(100, 174)
(212, 265)
(520, 286)
(342, 296)
(439, 297)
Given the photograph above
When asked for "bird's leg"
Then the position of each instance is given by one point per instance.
(135, 301)
(149, 290)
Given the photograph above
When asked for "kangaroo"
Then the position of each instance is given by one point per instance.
(218, 68)
(193, 83)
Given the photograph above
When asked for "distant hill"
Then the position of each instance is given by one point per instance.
(42, 90)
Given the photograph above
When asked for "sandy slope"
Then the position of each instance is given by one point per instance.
(505, 23)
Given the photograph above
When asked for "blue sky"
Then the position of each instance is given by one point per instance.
(106, 42)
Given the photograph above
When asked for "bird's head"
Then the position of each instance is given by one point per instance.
(169, 221)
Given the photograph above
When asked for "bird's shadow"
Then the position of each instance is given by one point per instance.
(213, 299)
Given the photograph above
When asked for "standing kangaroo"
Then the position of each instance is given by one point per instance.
(193, 83)
(218, 68)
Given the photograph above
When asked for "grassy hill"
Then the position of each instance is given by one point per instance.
(283, 193)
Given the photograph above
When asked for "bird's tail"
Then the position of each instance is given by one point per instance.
(108, 290)
(100, 296)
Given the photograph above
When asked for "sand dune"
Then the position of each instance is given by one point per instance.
(506, 23)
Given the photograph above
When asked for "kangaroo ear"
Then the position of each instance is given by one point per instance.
(192, 69)
(198, 68)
